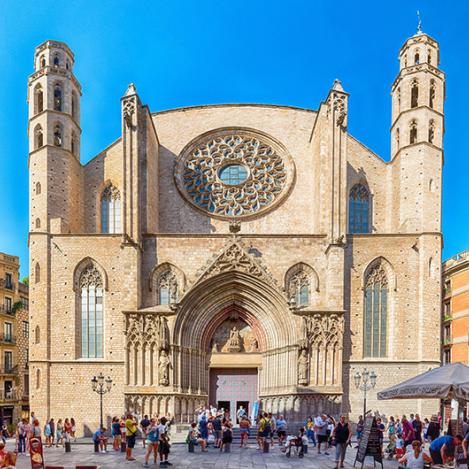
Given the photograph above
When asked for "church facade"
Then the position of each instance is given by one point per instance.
(233, 254)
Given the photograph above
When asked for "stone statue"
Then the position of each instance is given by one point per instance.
(215, 347)
(234, 342)
(163, 368)
(303, 363)
(254, 345)
(164, 334)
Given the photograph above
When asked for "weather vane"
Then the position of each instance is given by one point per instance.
(419, 24)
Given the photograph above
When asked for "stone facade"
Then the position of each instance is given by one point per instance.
(14, 342)
(233, 214)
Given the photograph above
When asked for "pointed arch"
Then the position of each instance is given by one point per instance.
(414, 93)
(359, 209)
(58, 97)
(168, 283)
(58, 134)
(38, 99)
(110, 209)
(80, 267)
(431, 131)
(37, 223)
(38, 137)
(432, 94)
(301, 282)
(378, 279)
(37, 335)
(38, 188)
(37, 273)
(413, 135)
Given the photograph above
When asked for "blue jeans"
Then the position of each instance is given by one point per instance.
(22, 444)
(311, 436)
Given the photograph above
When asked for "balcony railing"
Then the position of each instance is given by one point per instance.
(7, 285)
(5, 310)
(7, 338)
(8, 370)
(8, 395)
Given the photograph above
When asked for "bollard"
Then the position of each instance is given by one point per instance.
(96, 447)
(266, 446)
(191, 447)
(227, 447)
(68, 447)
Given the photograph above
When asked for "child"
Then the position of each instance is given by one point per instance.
(400, 449)
(163, 443)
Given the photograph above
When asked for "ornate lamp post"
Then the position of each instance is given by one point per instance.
(98, 384)
(365, 381)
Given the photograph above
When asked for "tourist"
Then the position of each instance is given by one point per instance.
(3, 453)
(227, 436)
(426, 423)
(465, 445)
(36, 430)
(9, 461)
(116, 433)
(273, 427)
(391, 428)
(163, 442)
(130, 435)
(416, 458)
(52, 431)
(299, 442)
(73, 429)
(400, 449)
(380, 426)
(60, 436)
(194, 438)
(342, 435)
(144, 426)
(244, 430)
(330, 429)
(407, 431)
(67, 430)
(263, 430)
(32, 418)
(47, 434)
(398, 426)
(442, 449)
(433, 431)
(359, 430)
(4, 433)
(100, 439)
(309, 431)
(203, 427)
(465, 426)
(152, 442)
(320, 425)
(216, 424)
(418, 427)
(22, 431)
(281, 429)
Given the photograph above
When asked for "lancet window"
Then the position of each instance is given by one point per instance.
(359, 209)
(110, 210)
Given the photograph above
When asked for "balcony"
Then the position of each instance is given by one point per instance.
(7, 338)
(8, 370)
(7, 285)
(4, 310)
(8, 395)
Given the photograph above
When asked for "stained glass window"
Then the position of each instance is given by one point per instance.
(359, 210)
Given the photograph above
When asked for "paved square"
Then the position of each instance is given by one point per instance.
(249, 458)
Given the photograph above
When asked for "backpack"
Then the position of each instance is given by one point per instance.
(267, 426)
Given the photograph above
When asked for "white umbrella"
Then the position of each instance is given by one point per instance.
(437, 383)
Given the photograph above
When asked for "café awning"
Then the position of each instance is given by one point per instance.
(440, 383)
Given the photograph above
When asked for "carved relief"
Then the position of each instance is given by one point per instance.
(234, 336)
(128, 111)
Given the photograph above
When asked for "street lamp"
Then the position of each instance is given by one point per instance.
(98, 384)
(365, 381)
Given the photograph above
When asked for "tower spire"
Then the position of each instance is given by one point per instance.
(419, 23)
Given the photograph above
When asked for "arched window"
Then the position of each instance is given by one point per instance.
(38, 379)
(299, 288)
(58, 97)
(359, 210)
(413, 132)
(42, 61)
(110, 210)
(167, 287)
(37, 335)
(376, 312)
(38, 188)
(38, 137)
(417, 57)
(56, 60)
(74, 105)
(431, 131)
(432, 93)
(38, 223)
(414, 94)
(58, 135)
(37, 273)
(38, 99)
(91, 300)
(73, 143)
(67, 65)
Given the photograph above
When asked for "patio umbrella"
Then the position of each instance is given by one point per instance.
(437, 383)
(462, 391)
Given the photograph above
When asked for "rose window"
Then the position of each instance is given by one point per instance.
(234, 173)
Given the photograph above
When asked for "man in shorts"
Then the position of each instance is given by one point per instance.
(321, 425)
(281, 429)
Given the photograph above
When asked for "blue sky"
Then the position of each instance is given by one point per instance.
(182, 53)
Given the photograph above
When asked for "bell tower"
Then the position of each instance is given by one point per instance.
(417, 130)
(54, 139)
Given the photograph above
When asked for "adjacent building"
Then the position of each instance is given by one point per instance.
(14, 342)
(229, 254)
(455, 310)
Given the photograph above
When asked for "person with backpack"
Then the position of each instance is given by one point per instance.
(263, 430)
(216, 424)
(130, 435)
(144, 427)
(194, 438)
(152, 436)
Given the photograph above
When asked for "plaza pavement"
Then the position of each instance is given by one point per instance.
(249, 458)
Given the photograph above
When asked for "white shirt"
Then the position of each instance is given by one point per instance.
(413, 462)
(161, 429)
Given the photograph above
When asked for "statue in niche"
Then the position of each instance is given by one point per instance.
(254, 345)
(303, 363)
(214, 347)
(164, 334)
(234, 342)
(163, 368)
